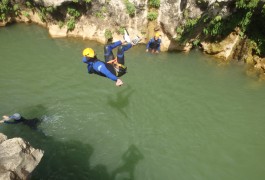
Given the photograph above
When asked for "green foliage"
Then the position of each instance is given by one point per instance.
(186, 14)
(108, 34)
(42, 14)
(5, 2)
(71, 24)
(154, 3)
(60, 24)
(186, 29)
(88, 1)
(255, 32)
(245, 21)
(196, 42)
(25, 13)
(180, 29)
(16, 9)
(215, 26)
(191, 23)
(73, 12)
(5, 9)
(248, 16)
(75, 1)
(130, 7)
(151, 16)
(121, 30)
(104, 9)
(28, 4)
(100, 14)
(50, 9)
(247, 4)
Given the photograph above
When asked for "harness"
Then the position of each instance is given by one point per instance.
(120, 69)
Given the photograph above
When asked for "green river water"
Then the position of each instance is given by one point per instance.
(178, 116)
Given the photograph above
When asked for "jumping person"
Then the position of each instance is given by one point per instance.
(17, 118)
(112, 68)
(154, 44)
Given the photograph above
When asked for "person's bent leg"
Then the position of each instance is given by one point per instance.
(108, 54)
(120, 53)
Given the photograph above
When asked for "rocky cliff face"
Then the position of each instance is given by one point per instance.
(97, 16)
(17, 158)
(101, 15)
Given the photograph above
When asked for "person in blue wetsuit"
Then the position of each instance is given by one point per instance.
(112, 68)
(153, 45)
(17, 118)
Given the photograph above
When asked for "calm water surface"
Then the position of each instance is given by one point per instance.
(178, 116)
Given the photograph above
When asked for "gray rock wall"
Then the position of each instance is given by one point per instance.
(17, 158)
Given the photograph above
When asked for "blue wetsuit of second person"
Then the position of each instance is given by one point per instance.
(154, 44)
(106, 69)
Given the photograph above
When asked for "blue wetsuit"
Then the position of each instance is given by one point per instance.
(154, 44)
(96, 66)
(15, 121)
(32, 123)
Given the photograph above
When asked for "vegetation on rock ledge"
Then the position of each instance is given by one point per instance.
(248, 16)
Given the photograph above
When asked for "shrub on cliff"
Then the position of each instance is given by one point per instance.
(130, 7)
(6, 9)
(248, 16)
(154, 3)
(151, 16)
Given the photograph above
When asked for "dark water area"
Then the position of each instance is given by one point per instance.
(178, 116)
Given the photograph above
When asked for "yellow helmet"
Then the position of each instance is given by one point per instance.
(157, 34)
(88, 52)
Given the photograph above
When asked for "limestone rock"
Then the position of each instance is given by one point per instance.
(17, 158)
(171, 14)
(2, 138)
(223, 49)
(56, 32)
(4, 23)
(259, 63)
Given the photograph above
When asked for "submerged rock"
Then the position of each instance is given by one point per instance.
(17, 158)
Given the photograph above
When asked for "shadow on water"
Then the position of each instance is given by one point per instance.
(36, 111)
(71, 159)
(121, 100)
(130, 159)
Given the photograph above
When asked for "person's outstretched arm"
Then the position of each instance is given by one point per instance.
(8, 120)
(5, 118)
(100, 67)
(159, 45)
(148, 45)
